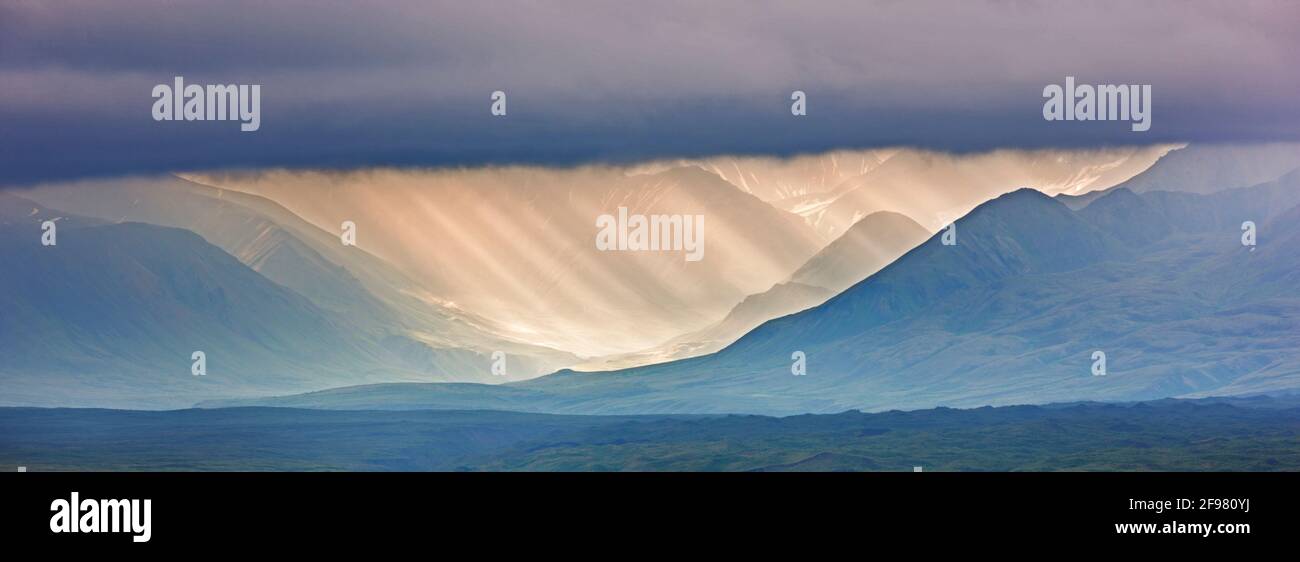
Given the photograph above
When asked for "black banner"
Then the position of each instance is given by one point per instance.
(310, 512)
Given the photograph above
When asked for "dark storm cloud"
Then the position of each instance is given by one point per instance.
(407, 83)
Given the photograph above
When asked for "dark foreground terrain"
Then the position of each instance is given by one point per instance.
(1245, 434)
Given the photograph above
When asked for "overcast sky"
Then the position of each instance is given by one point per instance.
(348, 84)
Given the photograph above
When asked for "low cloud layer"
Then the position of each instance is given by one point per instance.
(408, 83)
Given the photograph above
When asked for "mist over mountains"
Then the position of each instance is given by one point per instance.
(513, 244)
(111, 314)
(869, 245)
(110, 308)
(491, 276)
(1011, 314)
(1204, 169)
(518, 245)
(373, 295)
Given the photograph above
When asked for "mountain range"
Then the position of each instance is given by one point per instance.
(514, 244)
(499, 270)
(1015, 312)
(373, 295)
(112, 313)
(1204, 169)
(120, 309)
(517, 245)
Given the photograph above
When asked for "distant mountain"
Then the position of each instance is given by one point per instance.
(111, 314)
(1015, 312)
(872, 243)
(1210, 168)
(775, 179)
(1205, 169)
(22, 213)
(1018, 234)
(362, 290)
(780, 300)
(934, 188)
